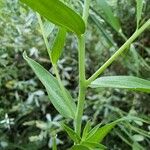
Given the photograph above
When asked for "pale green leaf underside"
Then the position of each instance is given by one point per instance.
(58, 13)
(109, 15)
(126, 82)
(53, 89)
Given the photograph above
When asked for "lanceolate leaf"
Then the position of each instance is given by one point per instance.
(72, 134)
(58, 13)
(86, 130)
(58, 45)
(108, 15)
(103, 131)
(126, 82)
(53, 89)
(139, 7)
(94, 146)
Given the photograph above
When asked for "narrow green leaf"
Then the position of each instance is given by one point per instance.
(53, 89)
(58, 45)
(126, 82)
(93, 145)
(139, 7)
(93, 131)
(86, 130)
(108, 15)
(100, 133)
(72, 134)
(79, 147)
(58, 13)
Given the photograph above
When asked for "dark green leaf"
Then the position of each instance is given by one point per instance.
(58, 13)
(72, 134)
(53, 89)
(108, 15)
(58, 45)
(126, 82)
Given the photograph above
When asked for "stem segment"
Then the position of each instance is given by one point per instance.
(118, 53)
(82, 87)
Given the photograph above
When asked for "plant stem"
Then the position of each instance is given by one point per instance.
(118, 53)
(82, 87)
(54, 65)
(43, 34)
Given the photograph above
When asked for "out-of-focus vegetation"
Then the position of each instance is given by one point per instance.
(27, 118)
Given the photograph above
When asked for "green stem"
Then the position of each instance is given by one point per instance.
(82, 87)
(43, 33)
(118, 53)
(54, 65)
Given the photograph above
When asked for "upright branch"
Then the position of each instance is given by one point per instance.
(81, 57)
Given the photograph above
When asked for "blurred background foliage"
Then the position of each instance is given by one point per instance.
(28, 121)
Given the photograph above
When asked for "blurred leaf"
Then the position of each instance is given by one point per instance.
(79, 147)
(72, 134)
(108, 15)
(58, 45)
(136, 146)
(53, 89)
(138, 137)
(58, 13)
(126, 82)
(139, 7)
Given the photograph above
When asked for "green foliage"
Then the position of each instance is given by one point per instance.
(126, 82)
(58, 13)
(72, 134)
(139, 7)
(109, 15)
(58, 45)
(53, 89)
(26, 112)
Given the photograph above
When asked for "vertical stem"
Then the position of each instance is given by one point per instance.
(81, 98)
(82, 87)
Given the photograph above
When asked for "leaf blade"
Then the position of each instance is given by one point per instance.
(58, 13)
(53, 89)
(139, 7)
(108, 15)
(79, 147)
(126, 82)
(58, 45)
(72, 134)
